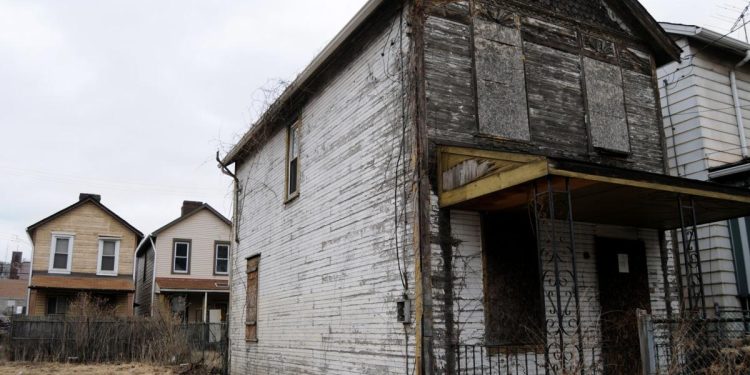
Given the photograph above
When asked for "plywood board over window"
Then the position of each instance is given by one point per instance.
(251, 299)
(501, 87)
(606, 102)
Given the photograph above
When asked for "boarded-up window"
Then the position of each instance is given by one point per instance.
(514, 311)
(606, 105)
(251, 301)
(501, 87)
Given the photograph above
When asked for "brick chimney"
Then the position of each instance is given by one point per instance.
(190, 206)
(15, 265)
(83, 196)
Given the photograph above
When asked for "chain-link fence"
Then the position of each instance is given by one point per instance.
(697, 345)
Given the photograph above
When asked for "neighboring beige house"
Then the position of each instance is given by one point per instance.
(183, 266)
(83, 248)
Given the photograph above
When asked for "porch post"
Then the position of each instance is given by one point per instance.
(691, 255)
(205, 307)
(559, 284)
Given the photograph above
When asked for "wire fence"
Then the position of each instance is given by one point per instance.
(697, 345)
(103, 340)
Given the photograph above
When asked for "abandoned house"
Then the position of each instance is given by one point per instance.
(182, 267)
(463, 187)
(705, 99)
(83, 248)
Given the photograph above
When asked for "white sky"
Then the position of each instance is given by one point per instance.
(131, 99)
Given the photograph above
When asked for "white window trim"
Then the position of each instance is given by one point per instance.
(174, 257)
(216, 259)
(53, 246)
(99, 270)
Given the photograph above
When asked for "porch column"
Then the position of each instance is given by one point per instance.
(205, 307)
(691, 255)
(558, 273)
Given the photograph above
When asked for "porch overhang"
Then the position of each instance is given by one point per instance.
(483, 180)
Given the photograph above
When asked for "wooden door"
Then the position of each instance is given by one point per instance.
(623, 288)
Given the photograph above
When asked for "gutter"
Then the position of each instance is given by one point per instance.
(729, 171)
(737, 104)
(309, 73)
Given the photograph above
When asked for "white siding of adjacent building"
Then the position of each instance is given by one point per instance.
(329, 276)
(702, 133)
(203, 229)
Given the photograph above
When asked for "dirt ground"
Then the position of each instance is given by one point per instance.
(13, 368)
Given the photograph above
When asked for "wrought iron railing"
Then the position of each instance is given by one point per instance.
(521, 360)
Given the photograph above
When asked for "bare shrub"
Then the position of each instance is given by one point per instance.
(92, 333)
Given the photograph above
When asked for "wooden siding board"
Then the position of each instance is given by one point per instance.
(556, 110)
(451, 108)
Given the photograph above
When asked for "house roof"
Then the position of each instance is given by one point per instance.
(665, 49)
(85, 199)
(123, 283)
(180, 284)
(707, 36)
(13, 289)
(204, 206)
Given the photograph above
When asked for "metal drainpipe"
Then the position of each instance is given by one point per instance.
(737, 106)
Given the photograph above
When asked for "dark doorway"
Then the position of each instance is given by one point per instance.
(513, 304)
(623, 288)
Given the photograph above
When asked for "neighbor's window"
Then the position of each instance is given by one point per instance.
(251, 299)
(57, 305)
(109, 255)
(292, 167)
(221, 258)
(61, 253)
(181, 261)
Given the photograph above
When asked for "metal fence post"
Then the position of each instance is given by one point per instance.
(647, 344)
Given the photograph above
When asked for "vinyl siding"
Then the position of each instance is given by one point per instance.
(203, 229)
(144, 287)
(702, 133)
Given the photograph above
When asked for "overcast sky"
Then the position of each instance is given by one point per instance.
(131, 99)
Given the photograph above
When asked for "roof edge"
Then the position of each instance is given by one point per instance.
(204, 206)
(707, 36)
(31, 228)
(308, 73)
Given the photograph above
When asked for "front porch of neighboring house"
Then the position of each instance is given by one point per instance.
(551, 260)
(194, 301)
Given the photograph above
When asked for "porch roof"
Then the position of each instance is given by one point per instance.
(493, 181)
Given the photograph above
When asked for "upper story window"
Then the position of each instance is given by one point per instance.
(292, 162)
(109, 256)
(181, 256)
(61, 253)
(221, 258)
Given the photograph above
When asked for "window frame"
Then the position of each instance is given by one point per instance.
(114, 272)
(216, 257)
(174, 255)
(53, 247)
(57, 299)
(290, 195)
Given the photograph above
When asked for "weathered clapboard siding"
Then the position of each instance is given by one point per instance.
(556, 70)
(328, 276)
(702, 132)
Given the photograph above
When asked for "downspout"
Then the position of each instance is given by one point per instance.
(737, 106)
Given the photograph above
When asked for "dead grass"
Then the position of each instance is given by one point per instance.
(28, 368)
